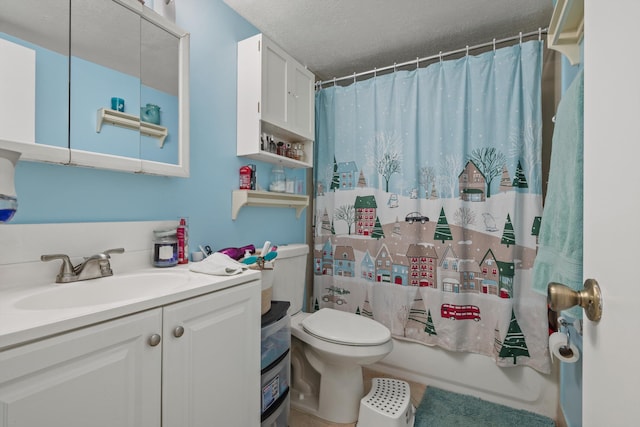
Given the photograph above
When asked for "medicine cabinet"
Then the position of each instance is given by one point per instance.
(88, 51)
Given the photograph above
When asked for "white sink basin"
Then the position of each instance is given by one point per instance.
(105, 290)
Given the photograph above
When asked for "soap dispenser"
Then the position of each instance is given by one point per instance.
(8, 197)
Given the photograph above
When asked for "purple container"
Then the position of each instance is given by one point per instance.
(238, 253)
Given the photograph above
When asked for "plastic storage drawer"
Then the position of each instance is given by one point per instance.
(275, 336)
(280, 416)
(275, 382)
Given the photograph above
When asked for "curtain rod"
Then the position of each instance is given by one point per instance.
(440, 55)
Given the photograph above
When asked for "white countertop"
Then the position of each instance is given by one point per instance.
(20, 325)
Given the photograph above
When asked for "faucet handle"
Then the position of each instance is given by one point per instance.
(114, 251)
(66, 269)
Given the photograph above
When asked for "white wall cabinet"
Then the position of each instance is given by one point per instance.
(185, 364)
(275, 97)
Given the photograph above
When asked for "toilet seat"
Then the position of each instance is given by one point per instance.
(345, 328)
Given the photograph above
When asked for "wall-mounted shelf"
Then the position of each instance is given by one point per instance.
(567, 29)
(118, 118)
(267, 199)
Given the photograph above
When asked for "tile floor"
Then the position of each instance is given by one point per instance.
(300, 419)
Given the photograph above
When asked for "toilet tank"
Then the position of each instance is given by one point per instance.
(289, 275)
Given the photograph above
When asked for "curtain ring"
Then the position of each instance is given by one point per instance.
(520, 37)
(440, 56)
(394, 67)
(494, 46)
(467, 50)
(417, 62)
(539, 33)
(375, 72)
(334, 82)
(354, 76)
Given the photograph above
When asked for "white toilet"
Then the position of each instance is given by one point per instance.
(328, 348)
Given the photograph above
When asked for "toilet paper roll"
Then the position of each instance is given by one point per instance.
(558, 341)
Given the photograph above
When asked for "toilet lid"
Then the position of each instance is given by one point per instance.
(345, 328)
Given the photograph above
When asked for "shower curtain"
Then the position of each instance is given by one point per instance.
(428, 204)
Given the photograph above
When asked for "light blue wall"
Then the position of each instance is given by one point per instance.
(54, 193)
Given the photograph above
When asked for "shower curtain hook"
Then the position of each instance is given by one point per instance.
(467, 50)
(417, 62)
(440, 56)
(539, 33)
(375, 72)
(520, 37)
(394, 67)
(354, 76)
(334, 82)
(494, 45)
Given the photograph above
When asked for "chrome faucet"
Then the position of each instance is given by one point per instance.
(91, 268)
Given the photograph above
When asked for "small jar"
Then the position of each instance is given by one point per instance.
(277, 179)
(300, 153)
(165, 248)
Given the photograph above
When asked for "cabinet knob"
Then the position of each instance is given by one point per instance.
(154, 340)
(178, 331)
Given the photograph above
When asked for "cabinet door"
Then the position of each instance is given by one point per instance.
(211, 366)
(275, 84)
(301, 109)
(104, 375)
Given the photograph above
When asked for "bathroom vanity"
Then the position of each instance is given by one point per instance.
(145, 347)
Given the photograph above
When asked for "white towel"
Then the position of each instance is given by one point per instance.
(218, 264)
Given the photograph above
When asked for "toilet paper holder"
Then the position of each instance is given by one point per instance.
(566, 350)
(561, 297)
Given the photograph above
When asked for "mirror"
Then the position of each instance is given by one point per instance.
(159, 72)
(46, 33)
(118, 49)
(105, 64)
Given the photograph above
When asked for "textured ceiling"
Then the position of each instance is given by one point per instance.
(335, 38)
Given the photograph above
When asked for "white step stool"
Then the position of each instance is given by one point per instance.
(388, 404)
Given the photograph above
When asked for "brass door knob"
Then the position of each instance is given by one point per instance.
(561, 297)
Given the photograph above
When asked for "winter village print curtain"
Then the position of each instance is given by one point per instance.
(428, 203)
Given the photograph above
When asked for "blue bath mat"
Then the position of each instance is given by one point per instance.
(440, 408)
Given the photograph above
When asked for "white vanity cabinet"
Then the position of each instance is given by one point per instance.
(275, 97)
(190, 363)
(103, 375)
(211, 358)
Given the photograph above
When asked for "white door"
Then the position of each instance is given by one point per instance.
(211, 366)
(611, 365)
(302, 113)
(100, 376)
(275, 84)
